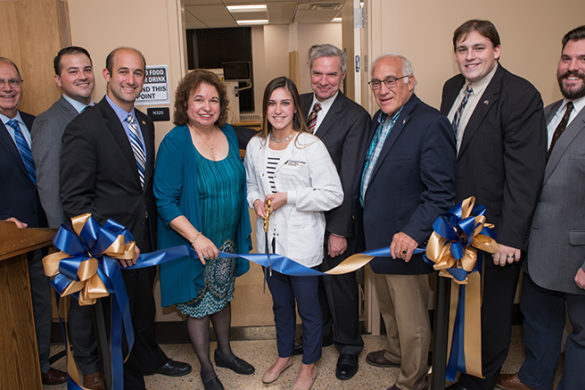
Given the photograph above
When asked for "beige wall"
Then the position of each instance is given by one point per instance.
(422, 30)
(149, 26)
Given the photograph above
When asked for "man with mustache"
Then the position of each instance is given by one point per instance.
(107, 165)
(554, 271)
(74, 76)
(499, 124)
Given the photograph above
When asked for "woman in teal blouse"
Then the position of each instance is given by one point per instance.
(200, 192)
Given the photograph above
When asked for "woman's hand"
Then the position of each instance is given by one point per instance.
(204, 248)
(260, 208)
(278, 200)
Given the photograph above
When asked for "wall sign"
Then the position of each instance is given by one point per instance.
(156, 86)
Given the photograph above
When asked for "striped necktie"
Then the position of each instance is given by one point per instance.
(457, 117)
(137, 147)
(312, 121)
(24, 150)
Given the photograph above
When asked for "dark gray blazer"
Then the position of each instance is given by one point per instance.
(556, 248)
(46, 135)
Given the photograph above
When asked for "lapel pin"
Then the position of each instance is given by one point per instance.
(403, 121)
(143, 122)
(486, 102)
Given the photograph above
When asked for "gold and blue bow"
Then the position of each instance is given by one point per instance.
(87, 269)
(453, 249)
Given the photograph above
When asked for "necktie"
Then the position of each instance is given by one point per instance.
(137, 147)
(457, 117)
(312, 121)
(24, 150)
(560, 127)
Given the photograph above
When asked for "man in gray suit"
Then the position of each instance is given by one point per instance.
(554, 273)
(74, 76)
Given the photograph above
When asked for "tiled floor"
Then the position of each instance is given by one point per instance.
(261, 353)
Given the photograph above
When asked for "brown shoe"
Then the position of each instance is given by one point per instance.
(511, 382)
(53, 377)
(378, 359)
(94, 381)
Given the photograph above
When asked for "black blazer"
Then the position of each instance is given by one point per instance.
(413, 182)
(19, 197)
(502, 156)
(344, 131)
(99, 175)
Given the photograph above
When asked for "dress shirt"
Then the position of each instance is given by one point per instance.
(122, 115)
(578, 105)
(478, 90)
(325, 106)
(23, 128)
(79, 107)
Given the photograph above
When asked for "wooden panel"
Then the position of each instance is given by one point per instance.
(293, 66)
(19, 361)
(32, 32)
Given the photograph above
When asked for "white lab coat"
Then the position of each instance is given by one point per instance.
(308, 176)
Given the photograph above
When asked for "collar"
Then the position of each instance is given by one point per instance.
(578, 105)
(79, 107)
(5, 119)
(325, 104)
(120, 112)
(480, 85)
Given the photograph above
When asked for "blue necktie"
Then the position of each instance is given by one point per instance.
(137, 147)
(24, 150)
(457, 117)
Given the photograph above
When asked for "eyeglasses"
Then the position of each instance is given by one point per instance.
(389, 82)
(12, 83)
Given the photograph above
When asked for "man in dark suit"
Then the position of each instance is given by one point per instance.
(554, 271)
(19, 202)
(501, 139)
(107, 164)
(74, 76)
(342, 125)
(407, 180)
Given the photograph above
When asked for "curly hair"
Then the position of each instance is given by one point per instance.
(190, 83)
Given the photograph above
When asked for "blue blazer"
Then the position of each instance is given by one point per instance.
(19, 197)
(176, 192)
(413, 182)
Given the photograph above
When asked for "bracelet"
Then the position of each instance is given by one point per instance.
(195, 239)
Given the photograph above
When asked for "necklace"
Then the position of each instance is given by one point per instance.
(211, 147)
(279, 141)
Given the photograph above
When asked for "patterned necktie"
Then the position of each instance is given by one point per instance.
(24, 150)
(560, 127)
(312, 121)
(137, 147)
(457, 117)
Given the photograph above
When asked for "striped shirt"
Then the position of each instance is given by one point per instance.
(272, 160)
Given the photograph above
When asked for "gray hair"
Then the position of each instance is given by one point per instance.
(10, 62)
(327, 50)
(406, 65)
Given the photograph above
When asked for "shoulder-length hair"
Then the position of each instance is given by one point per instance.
(298, 118)
(190, 83)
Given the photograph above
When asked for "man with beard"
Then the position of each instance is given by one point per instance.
(499, 124)
(554, 272)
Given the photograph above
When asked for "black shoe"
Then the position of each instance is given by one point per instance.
(173, 368)
(212, 384)
(347, 366)
(234, 363)
(456, 386)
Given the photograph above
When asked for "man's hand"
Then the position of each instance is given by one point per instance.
(402, 246)
(580, 279)
(506, 255)
(336, 245)
(19, 225)
(129, 262)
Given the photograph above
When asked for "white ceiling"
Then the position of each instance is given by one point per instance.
(213, 13)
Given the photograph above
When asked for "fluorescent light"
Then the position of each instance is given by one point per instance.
(234, 9)
(253, 21)
(336, 20)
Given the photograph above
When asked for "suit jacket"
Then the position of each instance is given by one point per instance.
(344, 132)
(46, 135)
(19, 197)
(502, 155)
(412, 183)
(99, 174)
(556, 247)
